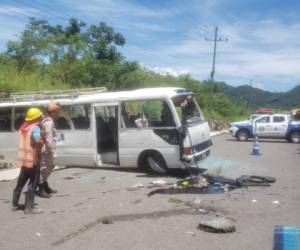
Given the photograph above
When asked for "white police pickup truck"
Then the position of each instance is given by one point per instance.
(267, 126)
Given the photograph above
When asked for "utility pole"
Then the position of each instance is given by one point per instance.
(212, 74)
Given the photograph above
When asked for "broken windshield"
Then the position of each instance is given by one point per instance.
(187, 109)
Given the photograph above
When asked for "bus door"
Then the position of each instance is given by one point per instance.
(107, 132)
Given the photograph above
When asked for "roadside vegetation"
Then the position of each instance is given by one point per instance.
(49, 56)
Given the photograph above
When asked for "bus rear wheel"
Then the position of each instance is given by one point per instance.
(155, 163)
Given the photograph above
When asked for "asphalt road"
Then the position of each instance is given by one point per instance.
(73, 219)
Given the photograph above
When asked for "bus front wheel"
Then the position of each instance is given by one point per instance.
(154, 162)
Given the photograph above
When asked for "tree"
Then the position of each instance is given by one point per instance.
(42, 42)
(102, 41)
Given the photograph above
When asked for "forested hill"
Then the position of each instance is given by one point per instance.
(254, 97)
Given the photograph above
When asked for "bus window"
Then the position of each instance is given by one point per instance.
(64, 119)
(80, 115)
(5, 119)
(143, 114)
(19, 116)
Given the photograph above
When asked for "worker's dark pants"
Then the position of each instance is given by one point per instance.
(31, 174)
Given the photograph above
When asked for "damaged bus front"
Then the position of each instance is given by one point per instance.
(195, 144)
(162, 129)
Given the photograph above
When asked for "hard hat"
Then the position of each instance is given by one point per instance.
(52, 107)
(32, 114)
(185, 184)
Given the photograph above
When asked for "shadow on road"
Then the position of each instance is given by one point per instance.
(180, 173)
(130, 170)
(260, 140)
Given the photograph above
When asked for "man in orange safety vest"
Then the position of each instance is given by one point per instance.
(30, 144)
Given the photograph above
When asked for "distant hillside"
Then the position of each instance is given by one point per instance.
(254, 97)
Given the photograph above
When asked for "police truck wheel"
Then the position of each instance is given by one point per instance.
(295, 137)
(156, 163)
(242, 135)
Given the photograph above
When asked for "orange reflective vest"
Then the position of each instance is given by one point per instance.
(27, 154)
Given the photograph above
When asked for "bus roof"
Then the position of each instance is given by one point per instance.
(145, 93)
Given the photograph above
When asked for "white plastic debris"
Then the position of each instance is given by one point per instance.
(254, 201)
(197, 201)
(190, 233)
(138, 185)
(59, 168)
(275, 202)
(159, 183)
(202, 211)
(38, 234)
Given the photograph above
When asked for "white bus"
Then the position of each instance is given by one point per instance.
(156, 128)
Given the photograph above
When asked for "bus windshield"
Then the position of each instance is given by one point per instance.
(187, 109)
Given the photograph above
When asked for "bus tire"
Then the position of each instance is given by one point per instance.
(294, 137)
(154, 163)
(242, 135)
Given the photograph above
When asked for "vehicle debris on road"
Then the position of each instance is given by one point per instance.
(207, 184)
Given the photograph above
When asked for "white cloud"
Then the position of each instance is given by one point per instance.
(268, 50)
(169, 71)
(259, 86)
(117, 8)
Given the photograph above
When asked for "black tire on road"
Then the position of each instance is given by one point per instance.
(294, 137)
(155, 163)
(242, 135)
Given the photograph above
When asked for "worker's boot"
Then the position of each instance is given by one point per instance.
(42, 191)
(48, 189)
(29, 204)
(15, 202)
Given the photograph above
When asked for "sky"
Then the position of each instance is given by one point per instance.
(171, 36)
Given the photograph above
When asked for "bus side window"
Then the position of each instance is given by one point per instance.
(64, 119)
(158, 113)
(132, 112)
(19, 116)
(148, 113)
(80, 115)
(5, 119)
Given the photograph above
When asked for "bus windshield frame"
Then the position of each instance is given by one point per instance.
(187, 109)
